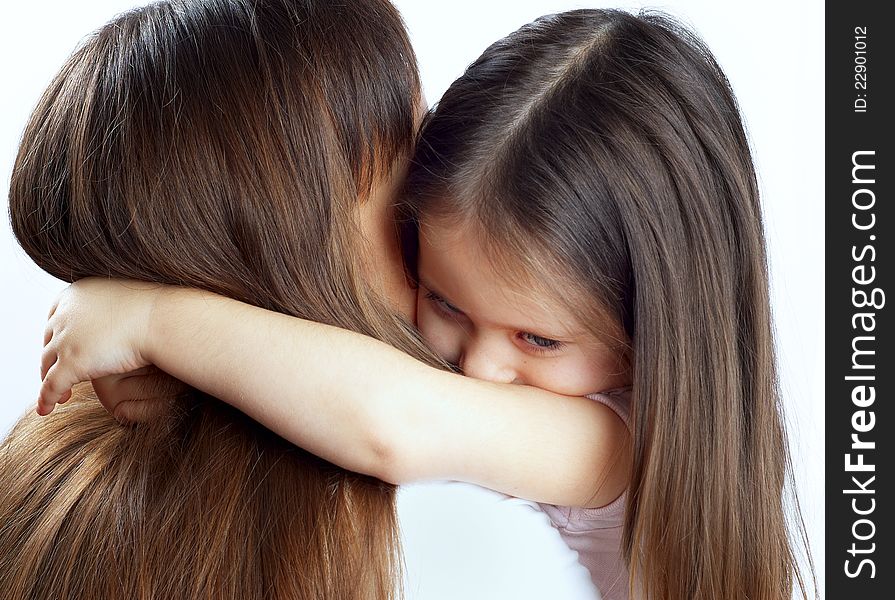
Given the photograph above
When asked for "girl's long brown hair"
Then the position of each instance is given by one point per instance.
(603, 152)
(222, 145)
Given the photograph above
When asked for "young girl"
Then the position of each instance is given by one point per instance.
(582, 218)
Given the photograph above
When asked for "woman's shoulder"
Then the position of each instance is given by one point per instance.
(463, 541)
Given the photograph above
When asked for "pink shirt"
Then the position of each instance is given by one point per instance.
(595, 533)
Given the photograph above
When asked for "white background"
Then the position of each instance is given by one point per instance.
(771, 51)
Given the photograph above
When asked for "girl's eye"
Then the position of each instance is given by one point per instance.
(443, 304)
(540, 343)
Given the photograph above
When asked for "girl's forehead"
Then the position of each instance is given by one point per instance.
(517, 265)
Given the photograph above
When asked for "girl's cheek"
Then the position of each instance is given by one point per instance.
(568, 375)
(587, 373)
(443, 336)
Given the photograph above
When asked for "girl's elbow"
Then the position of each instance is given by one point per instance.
(397, 447)
(392, 459)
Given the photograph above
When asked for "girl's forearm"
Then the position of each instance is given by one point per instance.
(333, 392)
(370, 408)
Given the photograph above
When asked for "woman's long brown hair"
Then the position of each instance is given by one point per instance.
(603, 153)
(222, 145)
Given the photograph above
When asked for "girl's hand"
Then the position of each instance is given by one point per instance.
(97, 327)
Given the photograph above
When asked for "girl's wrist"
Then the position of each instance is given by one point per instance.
(161, 303)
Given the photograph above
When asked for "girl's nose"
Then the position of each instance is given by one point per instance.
(487, 359)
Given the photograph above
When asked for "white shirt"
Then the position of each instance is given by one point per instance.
(464, 542)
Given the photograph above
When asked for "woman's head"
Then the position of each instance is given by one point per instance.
(220, 144)
(594, 164)
(223, 145)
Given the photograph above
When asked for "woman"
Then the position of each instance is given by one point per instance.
(250, 149)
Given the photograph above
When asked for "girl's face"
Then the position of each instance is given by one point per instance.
(503, 332)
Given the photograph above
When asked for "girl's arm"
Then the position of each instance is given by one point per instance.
(350, 399)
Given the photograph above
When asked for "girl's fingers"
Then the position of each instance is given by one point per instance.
(141, 395)
(48, 334)
(53, 309)
(65, 397)
(47, 360)
(112, 390)
(44, 407)
(55, 385)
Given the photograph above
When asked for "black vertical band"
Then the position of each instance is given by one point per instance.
(860, 366)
